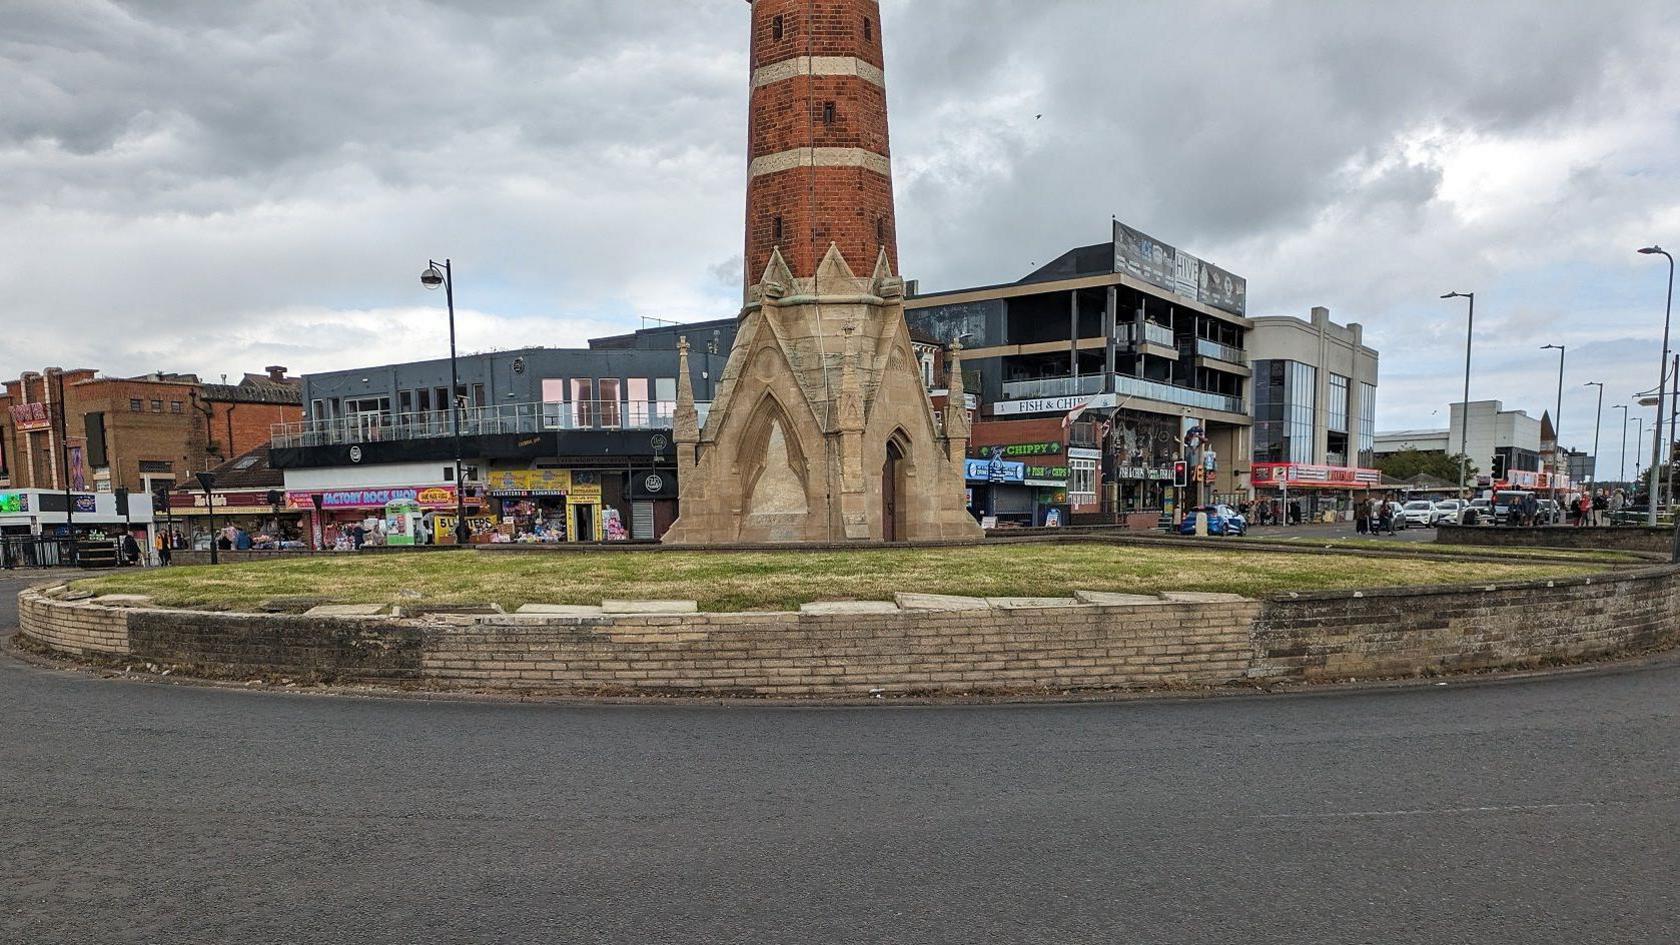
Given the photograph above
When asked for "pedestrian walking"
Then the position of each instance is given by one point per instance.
(130, 549)
(1600, 504)
(1362, 516)
(1583, 510)
(164, 552)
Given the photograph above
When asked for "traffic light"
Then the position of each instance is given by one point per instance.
(1499, 468)
(1181, 474)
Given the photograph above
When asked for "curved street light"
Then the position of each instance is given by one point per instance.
(1662, 384)
(1598, 420)
(1464, 420)
(432, 278)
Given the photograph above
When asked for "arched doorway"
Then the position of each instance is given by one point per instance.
(893, 494)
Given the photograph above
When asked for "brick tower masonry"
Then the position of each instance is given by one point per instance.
(822, 429)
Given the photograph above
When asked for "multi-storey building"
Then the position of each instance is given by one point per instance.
(556, 443)
(1144, 342)
(136, 433)
(1315, 407)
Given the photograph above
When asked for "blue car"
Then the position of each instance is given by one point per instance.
(1221, 519)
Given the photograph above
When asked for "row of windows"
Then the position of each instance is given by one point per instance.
(136, 405)
(634, 390)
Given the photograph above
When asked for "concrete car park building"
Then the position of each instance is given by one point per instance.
(1485, 431)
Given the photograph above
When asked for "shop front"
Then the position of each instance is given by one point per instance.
(1295, 492)
(999, 494)
(262, 514)
(1144, 447)
(333, 514)
(550, 506)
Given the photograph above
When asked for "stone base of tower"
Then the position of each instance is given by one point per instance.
(821, 429)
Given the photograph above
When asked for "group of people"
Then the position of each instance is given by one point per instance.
(1595, 508)
(1374, 516)
(1275, 512)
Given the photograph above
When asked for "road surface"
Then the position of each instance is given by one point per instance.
(1542, 811)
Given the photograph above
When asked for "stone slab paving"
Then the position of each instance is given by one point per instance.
(1201, 597)
(560, 610)
(940, 602)
(850, 607)
(347, 610)
(650, 607)
(1110, 599)
(1031, 603)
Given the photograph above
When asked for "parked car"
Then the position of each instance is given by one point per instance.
(1447, 512)
(1398, 512)
(1478, 512)
(1419, 512)
(1221, 520)
(1549, 513)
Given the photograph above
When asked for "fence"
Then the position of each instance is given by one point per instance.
(35, 551)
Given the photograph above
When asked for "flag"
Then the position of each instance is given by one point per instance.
(1073, 414)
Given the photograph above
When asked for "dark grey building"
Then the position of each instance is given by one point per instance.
(543, 430)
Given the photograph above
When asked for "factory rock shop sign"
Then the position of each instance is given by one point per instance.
(429, 497)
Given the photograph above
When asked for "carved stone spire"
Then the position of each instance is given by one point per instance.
(686, 422)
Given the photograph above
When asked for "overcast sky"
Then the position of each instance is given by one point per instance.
(214, 187)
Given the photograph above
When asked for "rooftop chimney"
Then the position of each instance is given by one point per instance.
(276, 372)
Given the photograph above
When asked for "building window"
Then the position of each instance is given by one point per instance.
(175, 406)
(1367, 424)
(776, 228)
(776, 28)
(1337, 418)
(868, 28)
(157, 406)
(478, 395)
(156, 466)
(1082, 481)
(134, 405)
(881, 230)
(828, 113)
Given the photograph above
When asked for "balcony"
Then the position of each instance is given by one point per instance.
(1204, 348)
(479, 421)
(1053, 387)
(1157, 334)
(1184, 396)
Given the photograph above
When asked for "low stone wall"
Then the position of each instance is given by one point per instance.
(923, 645)
(1619, 538)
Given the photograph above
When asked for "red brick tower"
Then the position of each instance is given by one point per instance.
(820, 169)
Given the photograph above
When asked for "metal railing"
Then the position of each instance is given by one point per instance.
(1213, 349)
(480, 421)
(1158, 334)
(1053, 387)
(36, 551)
(1155, 390)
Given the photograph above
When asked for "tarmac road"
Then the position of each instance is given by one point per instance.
(1534, 812)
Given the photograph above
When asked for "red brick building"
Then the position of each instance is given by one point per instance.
(138, 433)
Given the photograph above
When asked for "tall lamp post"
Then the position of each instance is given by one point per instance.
(1464, 419)
(1621, 474)
(1598, 420)
(1662, 383)
(1557, 416)
(208, 481)
(431, 279)
(1638, 444)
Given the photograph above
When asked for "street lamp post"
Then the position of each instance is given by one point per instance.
(1662, 383)
(208, 481)
(431, 279)
(1464, 420)
(1557, 415)
(1638, 444)
(1598, 420)
(1621, 474)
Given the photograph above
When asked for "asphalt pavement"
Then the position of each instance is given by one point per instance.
(1533, 812)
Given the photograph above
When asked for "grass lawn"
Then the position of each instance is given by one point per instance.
(730, 581)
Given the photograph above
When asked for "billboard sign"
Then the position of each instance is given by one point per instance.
(31, 417)
(1143, 257)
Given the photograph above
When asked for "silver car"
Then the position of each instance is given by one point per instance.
(1419, 512)
(1447, 512)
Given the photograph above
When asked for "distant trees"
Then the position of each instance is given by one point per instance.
(1407, 464)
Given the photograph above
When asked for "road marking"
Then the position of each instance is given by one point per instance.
(1435, 811)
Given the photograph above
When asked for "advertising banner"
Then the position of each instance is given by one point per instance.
(31, 417)
(431, 497)
(994, 470)
(530, 482)
(1143, 257)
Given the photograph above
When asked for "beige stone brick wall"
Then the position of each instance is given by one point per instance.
(74, 627)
